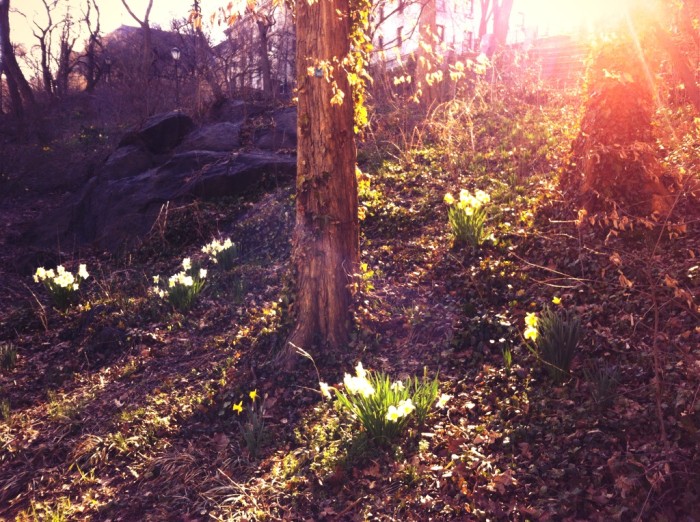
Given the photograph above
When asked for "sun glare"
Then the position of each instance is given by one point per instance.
(575, 16)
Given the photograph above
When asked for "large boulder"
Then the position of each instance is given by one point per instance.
(166, 162)
(236, 111)
(161, 133)
(112, 214)
(224, 137)
(282, 134)
(127, 161)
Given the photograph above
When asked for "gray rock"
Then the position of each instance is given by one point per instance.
(282, 134)
(223, 137)
(161, 133)
(113, 214)
(236, 111)
(126, 162)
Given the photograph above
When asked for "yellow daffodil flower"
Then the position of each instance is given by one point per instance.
(556, 300)
(238, 408)
(531, 319)
(530, 333)
(253, 395)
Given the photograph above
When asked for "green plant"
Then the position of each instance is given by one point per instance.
(467, 216)
(60, 512)
(224, 254)
(61, 284)
(8, 356)
(5, 409)
(183, 288)
(556, 336)
(507, 359)
(62, 408)
(384, 407)
(603, 379)
(253, 429)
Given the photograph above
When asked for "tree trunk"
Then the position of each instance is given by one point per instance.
(427, 28)
(20, 91)
(15, 97)
(486, 12)
(501, 19)
(265, 66)
(45, 70)
(147, 55)
(325, 248)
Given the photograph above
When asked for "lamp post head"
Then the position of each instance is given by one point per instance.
(175, 52)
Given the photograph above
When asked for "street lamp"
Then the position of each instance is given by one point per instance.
(175, 52)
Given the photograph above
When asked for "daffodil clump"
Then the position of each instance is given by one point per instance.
(383, 407)
(183, 287)
(223, 253)
(61, 284)
(253, 428)
(556, 336)
(467, 216)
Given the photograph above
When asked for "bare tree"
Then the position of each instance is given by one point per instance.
(501, 20)
(20, 91)
(42, 32)
(89, 58)
(66, 59)
(427, 28)
(265, 21)
(147, 39)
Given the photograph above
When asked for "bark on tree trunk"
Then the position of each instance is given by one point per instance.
(427, 29)
(20, 91)
(325, 248)
(265, 66)
(486, 11)
(501, 19)
(45, 70)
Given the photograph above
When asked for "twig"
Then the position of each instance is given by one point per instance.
(42, 309)
(547, 269)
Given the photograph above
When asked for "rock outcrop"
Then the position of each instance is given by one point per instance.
(167, 161)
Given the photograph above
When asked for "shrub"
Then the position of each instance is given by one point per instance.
(224, 254)
(467, 216)
(61, 284)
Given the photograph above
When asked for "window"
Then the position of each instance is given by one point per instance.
(399, 37)
(440, 33)
(469, 41)
(380, 42)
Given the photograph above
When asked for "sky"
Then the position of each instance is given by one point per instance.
(552, 16)
(112, 14)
